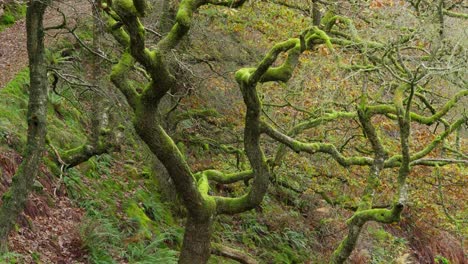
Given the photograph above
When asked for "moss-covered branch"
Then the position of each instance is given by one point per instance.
(326, 118)
(395, 160)
(329, 22)
(308, 124)
(78, 155)
(313, 148)
(181, 27)
(455, 14)
(252, 76)
(225, 178)
(228, 3)
(391, 109)
(294, 47)
(119, 77)
(435, 162)
(196, 113)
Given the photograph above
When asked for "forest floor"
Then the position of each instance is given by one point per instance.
(48, 230)
(13, 52)
(13, 55)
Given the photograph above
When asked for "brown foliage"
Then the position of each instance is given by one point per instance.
(427, 242)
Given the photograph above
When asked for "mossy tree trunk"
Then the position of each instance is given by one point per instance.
(192, 188)
(11, 8)
(14, 200)
(197, 240)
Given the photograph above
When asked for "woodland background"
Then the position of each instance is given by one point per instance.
(102, 196)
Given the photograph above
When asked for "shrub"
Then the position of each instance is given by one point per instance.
(7, 19)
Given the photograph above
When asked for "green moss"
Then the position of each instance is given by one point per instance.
(380, 234)
(52, 165)
(17, 86)
(182, 148)
(184, 15)
(13, 107)
(441, 260)
(131, 171)
(243, 75)
(6, 196)
(136, 214)
(7, 19)
(11, 258)
(125, 7)
(203, 185)
(13, 12)
(63, 136)
(125, 61)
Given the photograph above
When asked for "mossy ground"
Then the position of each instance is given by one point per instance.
(12, 13)
(125, 219)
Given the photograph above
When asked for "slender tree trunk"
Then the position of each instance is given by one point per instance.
(14, 200)
(316, 15)
(358, 220)
(196, 248)
(347, 246)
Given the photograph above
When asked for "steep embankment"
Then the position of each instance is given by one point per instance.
(48, 230)
(105, 210)
(13, 53)
(121, 218)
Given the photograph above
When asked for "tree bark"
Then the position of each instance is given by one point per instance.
(316, 15)
(196, 248)
(198, 228)
(14, 200)
(348, 244)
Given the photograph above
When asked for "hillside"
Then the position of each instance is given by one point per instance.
(109, 191)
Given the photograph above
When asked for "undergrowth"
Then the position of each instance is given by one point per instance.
(269, 238)
(13, 12)
(10, 258)
(13, 107)
(387, 248)
(125, 219)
